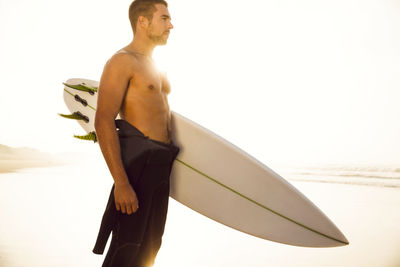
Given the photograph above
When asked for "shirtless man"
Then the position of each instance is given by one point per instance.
(132, 87)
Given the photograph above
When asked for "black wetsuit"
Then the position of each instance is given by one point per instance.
(136, 238)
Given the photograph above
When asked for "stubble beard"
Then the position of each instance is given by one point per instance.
(157, 39)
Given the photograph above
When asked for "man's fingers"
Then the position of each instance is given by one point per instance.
(123, 208)
(129, 209)
(135, 207)
(132, 207)
(127, 204)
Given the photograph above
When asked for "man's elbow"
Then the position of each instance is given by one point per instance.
(102, 121)
(97, 122)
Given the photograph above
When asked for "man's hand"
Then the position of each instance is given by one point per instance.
(125, 198)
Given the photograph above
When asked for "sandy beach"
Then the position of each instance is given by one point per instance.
(50, 217)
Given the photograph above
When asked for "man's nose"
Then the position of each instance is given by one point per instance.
(170, 26)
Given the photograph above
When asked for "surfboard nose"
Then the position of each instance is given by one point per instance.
(342, 238)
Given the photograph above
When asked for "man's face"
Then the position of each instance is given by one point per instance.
(159, 27)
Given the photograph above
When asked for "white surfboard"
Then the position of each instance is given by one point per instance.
(224, 183)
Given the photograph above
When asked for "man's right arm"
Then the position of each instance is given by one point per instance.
(113, 85)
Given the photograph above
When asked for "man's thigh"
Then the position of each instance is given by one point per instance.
(122, 253)
(155, 229)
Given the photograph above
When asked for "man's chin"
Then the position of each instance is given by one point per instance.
(162, 42)
(160, 39)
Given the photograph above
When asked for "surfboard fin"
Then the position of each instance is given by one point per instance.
(90, 136)
(83, 87)
(75, 116)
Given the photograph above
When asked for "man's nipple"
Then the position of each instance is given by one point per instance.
(151, 87)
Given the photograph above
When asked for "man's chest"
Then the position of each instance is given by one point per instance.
(148, 79)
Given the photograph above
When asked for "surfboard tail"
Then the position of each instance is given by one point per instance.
(80, 96)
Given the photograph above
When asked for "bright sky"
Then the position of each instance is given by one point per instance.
(287, 81)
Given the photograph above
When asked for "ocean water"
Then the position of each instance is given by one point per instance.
(368, 175)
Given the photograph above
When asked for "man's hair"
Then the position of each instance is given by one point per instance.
(144, 8)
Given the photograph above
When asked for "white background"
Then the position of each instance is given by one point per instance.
(287, 81)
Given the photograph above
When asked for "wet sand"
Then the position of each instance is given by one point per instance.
(50, 217)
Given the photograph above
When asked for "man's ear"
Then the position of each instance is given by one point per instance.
(143, 21)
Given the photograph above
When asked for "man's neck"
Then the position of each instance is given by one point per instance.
(141, 46)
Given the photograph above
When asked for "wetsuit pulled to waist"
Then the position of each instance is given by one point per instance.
(130, 130)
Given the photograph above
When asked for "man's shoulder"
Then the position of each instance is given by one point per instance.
(123, 59)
